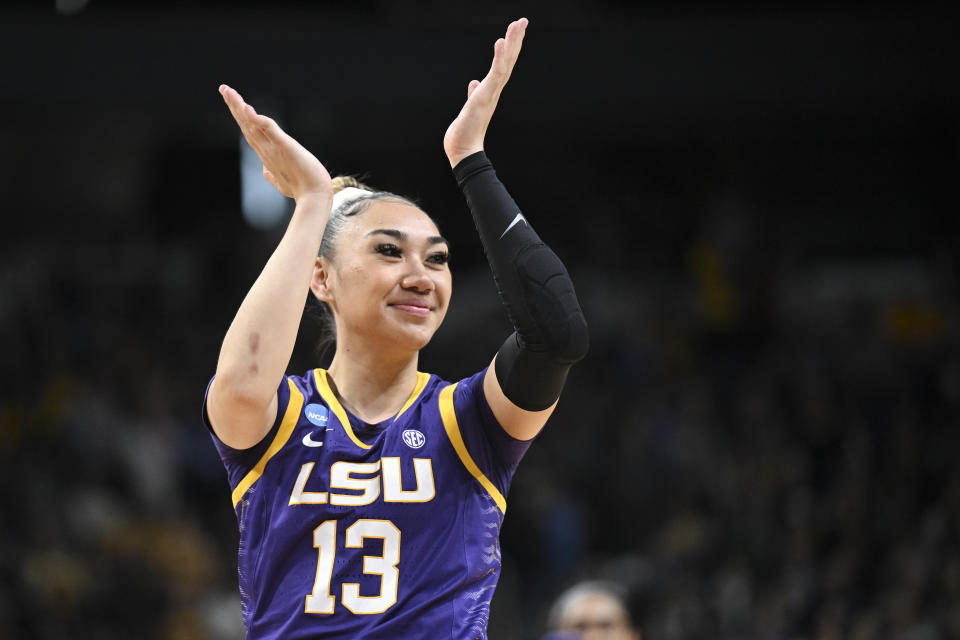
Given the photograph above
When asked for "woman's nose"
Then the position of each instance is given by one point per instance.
(418, 279)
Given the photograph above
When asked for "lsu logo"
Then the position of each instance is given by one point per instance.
(366, 477)
(413, 438)
(317, 414)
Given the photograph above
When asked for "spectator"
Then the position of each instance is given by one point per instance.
(592, 611)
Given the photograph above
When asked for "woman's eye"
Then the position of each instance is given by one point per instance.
(439, 258)
(390, 250)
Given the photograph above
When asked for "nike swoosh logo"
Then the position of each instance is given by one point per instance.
(310, 442)
(519, 218)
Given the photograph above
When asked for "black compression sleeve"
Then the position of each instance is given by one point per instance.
(550, 330)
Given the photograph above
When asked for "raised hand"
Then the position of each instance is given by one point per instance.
(466, 133)
(287, 165)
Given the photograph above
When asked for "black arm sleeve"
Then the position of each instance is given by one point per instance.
(550, 330)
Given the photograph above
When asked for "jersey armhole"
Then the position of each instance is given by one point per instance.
(254, 451)
(508, 450)
(448, 414)
(291, 416)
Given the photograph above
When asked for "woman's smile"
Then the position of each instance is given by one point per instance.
(412, 307)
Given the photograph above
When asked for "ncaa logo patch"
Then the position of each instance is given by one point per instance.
(317, 414)
(413, 438)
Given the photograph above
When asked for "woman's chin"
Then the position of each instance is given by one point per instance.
(415, 343)
(410, 337)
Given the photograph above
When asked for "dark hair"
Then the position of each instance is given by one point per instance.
(338, 220)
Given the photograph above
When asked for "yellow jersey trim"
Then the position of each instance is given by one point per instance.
(326, 392)
(422, 380)
(290, 418)
(449, 417)
(323, 386)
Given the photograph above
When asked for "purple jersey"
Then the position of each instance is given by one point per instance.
(350, 530)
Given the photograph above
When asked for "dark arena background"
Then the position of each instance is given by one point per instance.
(758, 205)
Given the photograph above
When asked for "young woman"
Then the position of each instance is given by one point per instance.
(370, 495)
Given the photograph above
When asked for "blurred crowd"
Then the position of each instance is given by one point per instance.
(797, 484)
(751, 449)
(764, 454)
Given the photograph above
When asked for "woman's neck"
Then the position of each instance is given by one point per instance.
(371, 386)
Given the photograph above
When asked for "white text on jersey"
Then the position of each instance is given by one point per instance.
(342, 476)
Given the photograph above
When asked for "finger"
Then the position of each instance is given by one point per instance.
(260, 131)
(240, 109)
(245, 115)
(268, 126)
(472, 87)
(498, 49)
(507, 49)
(260, 122)
(514, 41)
(272, 179)
(234, 101)
(516, 29)
(497, 68)
(514, 38)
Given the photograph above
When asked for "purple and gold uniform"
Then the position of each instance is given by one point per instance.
(350, 530)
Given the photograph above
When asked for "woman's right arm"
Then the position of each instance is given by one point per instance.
(242, 401)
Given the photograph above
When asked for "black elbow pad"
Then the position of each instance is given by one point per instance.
(551, 320)
(533, 363)
(550, 330)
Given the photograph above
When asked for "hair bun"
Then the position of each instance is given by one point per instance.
(342, 182)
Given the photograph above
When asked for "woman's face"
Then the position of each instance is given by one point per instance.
(389, 281)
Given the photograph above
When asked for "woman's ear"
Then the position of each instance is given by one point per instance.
(320, 283)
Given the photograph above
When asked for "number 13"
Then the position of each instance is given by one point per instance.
(385, 566)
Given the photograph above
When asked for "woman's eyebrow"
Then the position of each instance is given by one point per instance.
(393, 233)
(400, 235)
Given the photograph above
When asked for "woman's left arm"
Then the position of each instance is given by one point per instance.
(527, 374)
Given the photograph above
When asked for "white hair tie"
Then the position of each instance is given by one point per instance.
(348, 195)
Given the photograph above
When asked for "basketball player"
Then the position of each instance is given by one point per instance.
(370, 496)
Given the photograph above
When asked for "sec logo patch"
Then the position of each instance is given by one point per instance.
(413, 438)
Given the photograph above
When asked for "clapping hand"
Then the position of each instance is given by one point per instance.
(287, 165)
(466, 133)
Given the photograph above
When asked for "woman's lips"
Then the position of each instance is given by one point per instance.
(415, 309)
